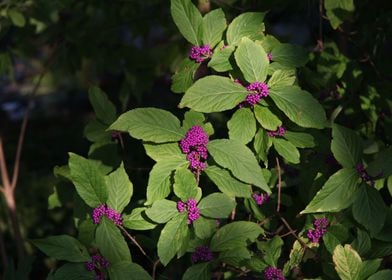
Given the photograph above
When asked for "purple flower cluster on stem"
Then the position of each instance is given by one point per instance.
(111, 214)
(199, 54)
(260, 198)
(202, 254)
(256, 91)
(277, 133)
(320, 228)
(194, 145)
(269, 56)
(272, 273)
(191, 207)
(96, 264)
(362, 172)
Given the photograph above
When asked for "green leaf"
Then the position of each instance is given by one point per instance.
(88, 180)
(234, 235)
(192, 118)
(336, 234)
(369, 209)
(369, 267)
(127, 270)
(227, 183)
(150, 124)
(171, 238)
(296, 255)
(103, 107)
(120, 189)
(362, 244)
(287, 150)
(183, 77)
(246, 25)
(271, 250)
(213, 94)
(159, 179)
(62, 247)
(385, 274)
(252, 60)
(338, 11)
(111, 242)
(266, 118)
(95, 131)
(138, 220)
(204, 228)
(17, 18)
(220, 60)
(345, 146)
(214, 24)
(188, 20)
(347, 262)
(282, 78)
(185, 185)
(239, 160)
(299, 106)
(262, 144)
(162, 152)
(235, 257)
(290, 55)
(300, 139)
(242, 126)
(337, 193)
(382, 164)
(200, 271)
(162, 211)
(216, 205)
(73, 271)
(86, 232)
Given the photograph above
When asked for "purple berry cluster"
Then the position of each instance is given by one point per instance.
(199, 54)
(260, 198)
(320, 228)
(269, 56)
(202, 254)
(256, 91)
(279, 132)
(191, 208)
(104, 210)
(96, 264)
(362, 172)
(272, 273)
(194, 145)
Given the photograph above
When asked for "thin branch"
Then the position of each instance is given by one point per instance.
(154, 269)
(3, 168)
(279, 184)
(135, 242)
(292, 232)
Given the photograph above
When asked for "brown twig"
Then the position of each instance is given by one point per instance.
(135, 242)
(292, 232)
(154, 269)
(279, 184)
(3, 169)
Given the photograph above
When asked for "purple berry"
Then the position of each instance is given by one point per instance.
(199, 54)
(202, 254)
(277, 133)
(272, 273)
(195, 146)
(260, 198)
(320, 228)
(110, 213)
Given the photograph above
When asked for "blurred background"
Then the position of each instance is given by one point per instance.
(130, 48)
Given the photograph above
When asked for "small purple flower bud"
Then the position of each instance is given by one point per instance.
(256, 91)
(272, 273)
(202, 254)
(191, 208)
(320, 228)
(260, 198)
(277, 133)
(199, 54)
(110, 213)
(362, 172)
(269, 56)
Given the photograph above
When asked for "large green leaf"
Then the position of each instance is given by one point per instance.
(159, 180)
(252, 60)
(369, 209)
(289, 55)
(262, 144)
(239, 159)
(287, 150)
(300, 139)
(103, 107)
(16, 17)
(73, 271)
(338, 11)
(385, 274)
(188, 20)
(183, 77)
(299, 106)
(120, 189)
(362, 244)
(337, 193)
(162, 211)
(246, 25)
(185, 185)
(226, 183)
(271, 250)
(220, 60)
(88, 179)
(347, 262)
(63, 247)
(242, 126)
(192, 118)
(150, 124)
(335, 235)
(138, 220)
(282, 78)
(345, 146)
(266, 118)
(213, 94)
(111, 242)
(128, 270)
(162, 152)
(214, 24)
(216, 205)
(236, 257)
(200, 271)
(234, 235)
(171, 238)
(204, 227)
